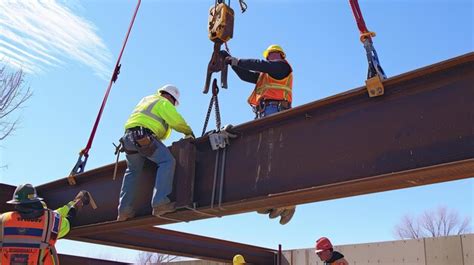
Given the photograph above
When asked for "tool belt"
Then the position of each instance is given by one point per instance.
(281, 104)
(143, 140)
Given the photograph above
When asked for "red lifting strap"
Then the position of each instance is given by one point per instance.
(358, 16)
(79, 168)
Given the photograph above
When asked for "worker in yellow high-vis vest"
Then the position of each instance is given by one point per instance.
(149, 124)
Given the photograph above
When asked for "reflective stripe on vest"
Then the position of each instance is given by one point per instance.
(149, 113)
(271, 88)
(265, 84)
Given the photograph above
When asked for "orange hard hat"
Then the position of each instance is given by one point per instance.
(323, 244)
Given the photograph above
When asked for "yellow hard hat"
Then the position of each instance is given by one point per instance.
(238, 259)
(273, 48)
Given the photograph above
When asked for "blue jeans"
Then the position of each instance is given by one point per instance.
(131, 181)
(267, 111)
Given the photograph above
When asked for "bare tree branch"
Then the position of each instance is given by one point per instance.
(13, 95)
(148, 258)
(441, 222)
(464, 228)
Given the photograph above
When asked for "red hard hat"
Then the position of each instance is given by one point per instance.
(323, 244)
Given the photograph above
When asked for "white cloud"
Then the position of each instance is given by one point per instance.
(37, 35)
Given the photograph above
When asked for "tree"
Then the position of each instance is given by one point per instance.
(433, 223)
(148, 258)
(13, 95)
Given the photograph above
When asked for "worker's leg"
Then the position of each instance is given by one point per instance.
(130, 184)
(164, 174)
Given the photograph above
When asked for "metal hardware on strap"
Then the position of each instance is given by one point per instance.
(220, 140)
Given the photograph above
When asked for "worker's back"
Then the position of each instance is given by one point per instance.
(29, 240)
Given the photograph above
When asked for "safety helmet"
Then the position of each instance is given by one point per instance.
(274, 48)
(238, 259)
(323, 244)
(172, 90)
(25, 194)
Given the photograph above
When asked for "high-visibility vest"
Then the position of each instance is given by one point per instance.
(270, 88)
(29, 241)
(146, 115)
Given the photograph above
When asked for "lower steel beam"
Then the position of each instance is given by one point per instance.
(165, 241)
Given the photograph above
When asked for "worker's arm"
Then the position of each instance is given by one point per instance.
(246, 75)
(67, 213)
(276, 69)
(169, 113)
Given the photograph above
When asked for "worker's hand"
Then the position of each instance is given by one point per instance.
(81, 199)
(231, 60)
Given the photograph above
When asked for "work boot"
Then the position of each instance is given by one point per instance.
(123, 217)
(275, 212)
(164, 208)
(264, 211)
(287, 214)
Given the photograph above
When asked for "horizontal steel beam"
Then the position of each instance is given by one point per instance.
(421, 131)
(423, 123)
(165, 241)
(75, 260)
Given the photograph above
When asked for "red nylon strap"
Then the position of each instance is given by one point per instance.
(358, 16)
(85, 151)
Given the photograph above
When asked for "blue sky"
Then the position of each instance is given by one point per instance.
(169, 44)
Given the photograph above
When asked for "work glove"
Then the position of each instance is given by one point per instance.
(81, 199)
(190, 136)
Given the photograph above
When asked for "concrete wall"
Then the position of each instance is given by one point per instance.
(452, 250)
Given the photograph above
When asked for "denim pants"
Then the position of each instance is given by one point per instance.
(132, 182)
(268, 110)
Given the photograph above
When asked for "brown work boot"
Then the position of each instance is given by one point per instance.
(264, 211)
(164, 209)
(275, 212)
(287, 214)
(124, 217)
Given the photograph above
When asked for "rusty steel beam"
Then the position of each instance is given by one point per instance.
(165, 241)
(6, 194)
(76, 260)
(421, 131)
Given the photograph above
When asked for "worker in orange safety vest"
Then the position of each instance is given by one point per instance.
(273, 79)
(326, 253)
(29, 233)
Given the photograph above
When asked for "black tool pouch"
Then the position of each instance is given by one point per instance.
(144, 142)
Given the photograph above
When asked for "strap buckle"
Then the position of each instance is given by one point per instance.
(221, 139)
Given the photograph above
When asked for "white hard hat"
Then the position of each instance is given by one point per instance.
(172, 90)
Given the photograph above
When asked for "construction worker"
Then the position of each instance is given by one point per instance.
(238, 260)
(149, 124)
(29, 233)
(326, 253)
(273, 79)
